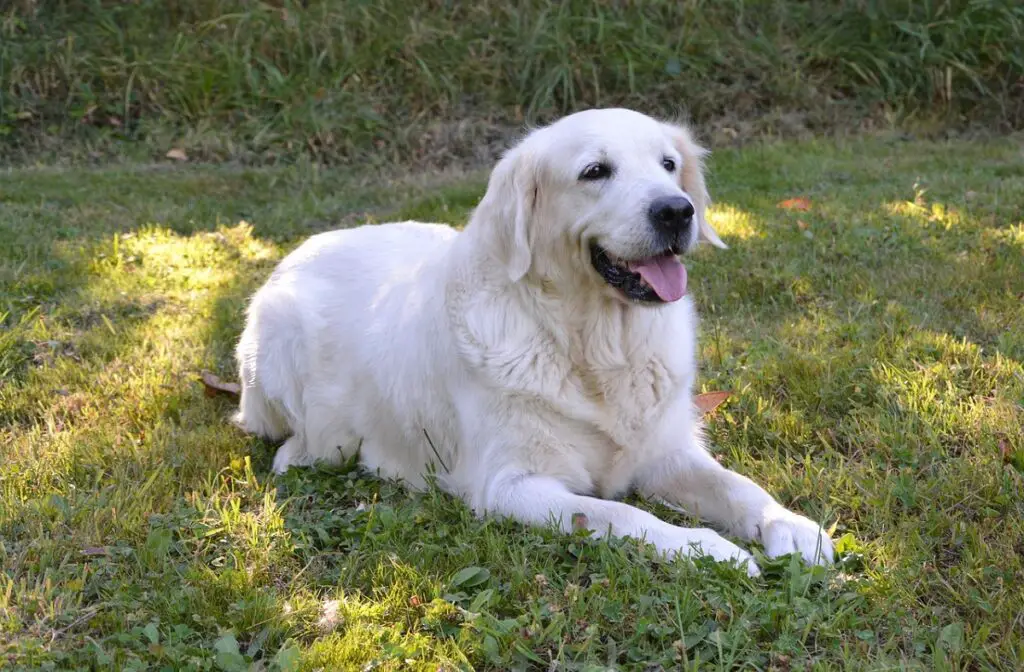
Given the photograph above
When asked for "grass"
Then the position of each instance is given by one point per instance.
(397, 80)
(874, 345)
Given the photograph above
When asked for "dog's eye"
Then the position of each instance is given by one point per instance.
(596, 171)
(669, 164)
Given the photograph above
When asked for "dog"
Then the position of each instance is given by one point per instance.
(538, 364)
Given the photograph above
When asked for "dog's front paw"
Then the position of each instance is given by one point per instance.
(783, 532)
(290, 454)
(699, 541)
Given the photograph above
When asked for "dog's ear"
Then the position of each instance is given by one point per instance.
(509, 204)
(691, 178)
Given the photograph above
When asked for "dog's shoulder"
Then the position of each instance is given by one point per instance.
(509, 346)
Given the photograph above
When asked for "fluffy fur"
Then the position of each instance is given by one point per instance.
(503, 358)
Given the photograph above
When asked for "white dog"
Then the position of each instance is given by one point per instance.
(540, 362)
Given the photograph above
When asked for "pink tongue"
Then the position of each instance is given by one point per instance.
(665, 274)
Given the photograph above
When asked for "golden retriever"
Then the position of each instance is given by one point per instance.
(540, 362)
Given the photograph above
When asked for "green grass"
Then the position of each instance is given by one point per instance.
(406, 80)
(874, 344)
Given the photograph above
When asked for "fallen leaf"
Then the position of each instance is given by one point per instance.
(1004, 451)
(709, 401)
(801, 224)
(214, 385)
(177, 154)
(579, 521)
(94, 550)
(799, 203)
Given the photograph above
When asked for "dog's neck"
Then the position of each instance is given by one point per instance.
(592, 313)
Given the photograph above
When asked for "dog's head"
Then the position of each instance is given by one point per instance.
(604, 198)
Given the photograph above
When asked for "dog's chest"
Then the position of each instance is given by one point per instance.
(598, 391)
(605, 431)
(602, 415)
(628, 394)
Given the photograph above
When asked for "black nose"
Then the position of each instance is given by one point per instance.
(671, 215)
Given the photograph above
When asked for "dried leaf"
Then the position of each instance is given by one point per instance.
(580, 521)
(214, 385)
(94, 550)
(799, 203)
(781, 662)
(801, 224)
(177, 154)
(709, 401)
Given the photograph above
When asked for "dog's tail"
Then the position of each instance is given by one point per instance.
(258, 415)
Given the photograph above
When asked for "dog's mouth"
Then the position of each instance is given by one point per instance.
(657, 279)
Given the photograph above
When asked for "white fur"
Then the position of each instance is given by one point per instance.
(499, 356)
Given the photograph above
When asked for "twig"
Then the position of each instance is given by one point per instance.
(84, 618)
(436, 454)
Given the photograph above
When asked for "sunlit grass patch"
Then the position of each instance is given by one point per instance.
(731, 222)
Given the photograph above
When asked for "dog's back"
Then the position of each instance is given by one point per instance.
(338, 311)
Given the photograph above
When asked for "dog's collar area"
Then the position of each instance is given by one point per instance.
(618, 275)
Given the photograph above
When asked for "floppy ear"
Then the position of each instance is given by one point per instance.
(509, 206)
(692, 180)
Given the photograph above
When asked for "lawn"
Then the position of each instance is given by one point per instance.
(873, 344)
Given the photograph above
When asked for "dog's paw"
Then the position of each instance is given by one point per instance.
(697, 541)
(783, 532)
(290, 454)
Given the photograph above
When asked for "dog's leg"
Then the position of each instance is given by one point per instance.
(692, 479)
(541, 500)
